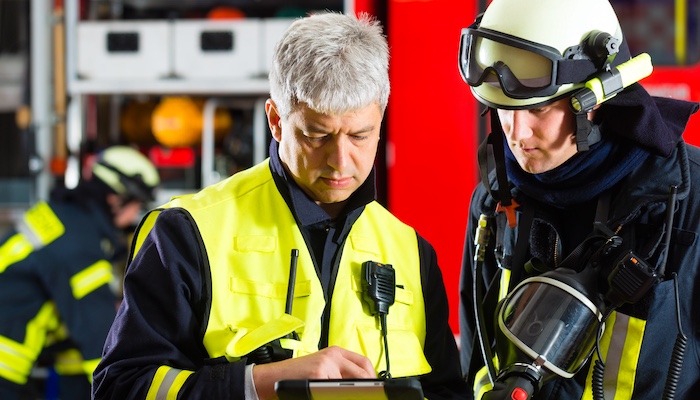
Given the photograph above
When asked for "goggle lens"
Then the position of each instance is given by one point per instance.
(519, 71)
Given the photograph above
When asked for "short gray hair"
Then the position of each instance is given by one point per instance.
(332, 62)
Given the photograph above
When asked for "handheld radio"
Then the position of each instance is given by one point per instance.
(379, 290)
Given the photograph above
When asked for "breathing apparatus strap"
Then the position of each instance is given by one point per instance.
(602, 212)
(521, 251)
(494, 142)
(601, 232)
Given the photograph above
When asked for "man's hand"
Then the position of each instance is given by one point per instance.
(330, 363)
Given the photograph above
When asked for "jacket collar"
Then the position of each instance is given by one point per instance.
(652, 181)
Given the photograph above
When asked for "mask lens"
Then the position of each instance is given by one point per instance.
(546, 319)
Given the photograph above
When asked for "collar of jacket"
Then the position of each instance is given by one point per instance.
(652, 181)
(656, 123)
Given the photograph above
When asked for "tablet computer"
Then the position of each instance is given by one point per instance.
(349, 389)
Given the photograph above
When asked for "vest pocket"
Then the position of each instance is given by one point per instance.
(255, 303)
(404, 296)
(267, 289)
(365, 244)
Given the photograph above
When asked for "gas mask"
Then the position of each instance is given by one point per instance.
(546, 329)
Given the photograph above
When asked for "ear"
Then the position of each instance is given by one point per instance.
(273, 119)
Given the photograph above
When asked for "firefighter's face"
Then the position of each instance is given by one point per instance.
(125, 214)
(541, 139)
(329, 156)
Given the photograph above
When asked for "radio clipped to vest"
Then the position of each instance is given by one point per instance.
(379, 291)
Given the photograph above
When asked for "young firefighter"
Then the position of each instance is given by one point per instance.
(587, 216)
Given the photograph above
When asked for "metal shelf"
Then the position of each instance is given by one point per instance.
(256, 88)
(77, 88)
(243, 87)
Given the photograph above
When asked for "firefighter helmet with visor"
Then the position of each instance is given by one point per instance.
(539, 56)
(127, 172)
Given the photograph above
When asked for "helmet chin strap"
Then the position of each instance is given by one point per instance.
(587, 133)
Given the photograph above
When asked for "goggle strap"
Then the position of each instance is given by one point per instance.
(574, 71)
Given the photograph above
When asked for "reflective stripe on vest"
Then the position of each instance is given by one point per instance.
(89, 367)
(249, 259)
(167, 383)
(69, 362)
(504, 284)
(17, 359)
(482, 383)
(620, 345)
(38, 227)
(91, 278)
(15, 249)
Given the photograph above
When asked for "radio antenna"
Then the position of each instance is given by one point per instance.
(290, 287)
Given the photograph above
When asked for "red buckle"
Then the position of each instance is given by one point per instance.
(510, 212)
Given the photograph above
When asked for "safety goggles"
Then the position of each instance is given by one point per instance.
(521, 68)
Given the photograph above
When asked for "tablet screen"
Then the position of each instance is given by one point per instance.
(349, 389)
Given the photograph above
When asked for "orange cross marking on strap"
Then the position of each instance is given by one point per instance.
(510, 212)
